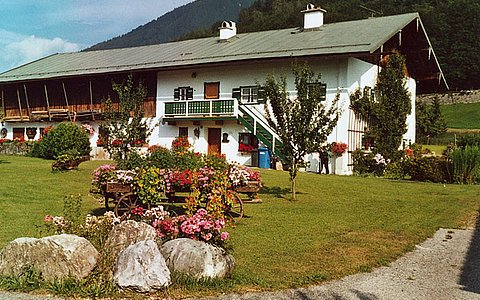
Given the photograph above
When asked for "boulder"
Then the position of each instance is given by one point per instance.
(197, 259)
(128, 233)
(57, 256)
(142, 268)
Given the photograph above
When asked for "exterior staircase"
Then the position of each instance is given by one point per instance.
(257, 125)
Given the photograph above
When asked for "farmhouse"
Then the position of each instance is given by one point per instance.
(210, 89)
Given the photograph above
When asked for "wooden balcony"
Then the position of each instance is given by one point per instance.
(208, 108)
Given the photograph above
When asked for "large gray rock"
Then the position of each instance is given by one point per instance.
(197, 259)
(128, 233)
(142, 268)
(57, 256)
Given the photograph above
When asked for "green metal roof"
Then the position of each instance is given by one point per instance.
(361, 36)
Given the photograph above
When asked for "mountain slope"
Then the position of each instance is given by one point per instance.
(177, 23)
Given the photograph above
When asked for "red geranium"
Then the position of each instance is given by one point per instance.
(245, 148)
(338, 148)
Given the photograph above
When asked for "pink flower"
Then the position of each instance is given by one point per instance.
(48, 219)
(224, 236)
(207, 236)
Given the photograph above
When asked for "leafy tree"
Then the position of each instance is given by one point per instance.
(430, 122)
(304, 122)
(124, 126)
(387, 109)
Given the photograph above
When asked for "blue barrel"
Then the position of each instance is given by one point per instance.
(263, 158)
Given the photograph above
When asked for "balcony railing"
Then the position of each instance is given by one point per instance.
(201, 108)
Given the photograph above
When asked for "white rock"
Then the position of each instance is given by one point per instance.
(142, 268)
(57, 256)
(197, 259)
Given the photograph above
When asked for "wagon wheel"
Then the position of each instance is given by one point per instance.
(236, 211)
(125, 205)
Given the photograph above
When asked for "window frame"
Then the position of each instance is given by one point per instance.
(183, 93)
(209, 97)
(183, 131)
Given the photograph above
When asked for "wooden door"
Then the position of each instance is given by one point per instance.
(214, 141)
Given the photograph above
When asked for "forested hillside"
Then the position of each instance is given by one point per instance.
(452, 25)
(177, 23)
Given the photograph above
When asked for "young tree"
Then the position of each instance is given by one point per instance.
(387, 109)
(429, 120)
(304, 122)
(124, 126)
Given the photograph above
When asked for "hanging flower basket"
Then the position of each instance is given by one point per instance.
(338, 149)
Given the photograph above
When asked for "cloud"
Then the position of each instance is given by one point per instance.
(16, 49)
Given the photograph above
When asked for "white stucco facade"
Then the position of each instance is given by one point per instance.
(341, 75)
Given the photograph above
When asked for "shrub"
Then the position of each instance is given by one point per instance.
(368, 163)
(468, 140)
(160, 157)
(466, 164)
(187, 160)
(429, 168)
(66, 138)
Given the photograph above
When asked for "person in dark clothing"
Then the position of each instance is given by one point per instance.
(323, 162)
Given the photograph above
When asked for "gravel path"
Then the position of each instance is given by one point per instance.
(446, 266)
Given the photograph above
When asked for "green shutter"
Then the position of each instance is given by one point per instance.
(236, 93)
(323, 91)
(261, 94)
(189, 93)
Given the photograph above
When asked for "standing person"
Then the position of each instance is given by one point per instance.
(323, 161)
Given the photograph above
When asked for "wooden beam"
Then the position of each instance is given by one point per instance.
(3, 105)
(431, 77)
(19, 104)
(48, 103)
(91, 100)
(26, 98)
(66, 101)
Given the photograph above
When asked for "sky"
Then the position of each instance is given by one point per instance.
(31, 29)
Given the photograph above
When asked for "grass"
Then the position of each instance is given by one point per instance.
(437, 149)
(338, 226)
(29, 191)
(462, 115)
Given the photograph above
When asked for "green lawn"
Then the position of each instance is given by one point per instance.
(338, 225)
(462, 115)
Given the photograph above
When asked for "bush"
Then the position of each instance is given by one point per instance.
(466, 164)
(160, 157)
(429, 168)
(468, 140)
(368, 163)
(66, 138)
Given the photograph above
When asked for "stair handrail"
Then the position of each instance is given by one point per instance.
(260, 119)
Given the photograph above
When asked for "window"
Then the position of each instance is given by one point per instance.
(19, 134)
(183, 93)
(248, 94)
(212, 90)
(247, 142)
(183, 131)
(318, 87)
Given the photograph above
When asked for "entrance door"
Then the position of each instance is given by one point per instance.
(214, 141)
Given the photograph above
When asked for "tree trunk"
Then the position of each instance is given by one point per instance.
(293, 178)
(294, 192)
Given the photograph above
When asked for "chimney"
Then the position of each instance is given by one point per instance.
(313, 17)
(227, 30)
